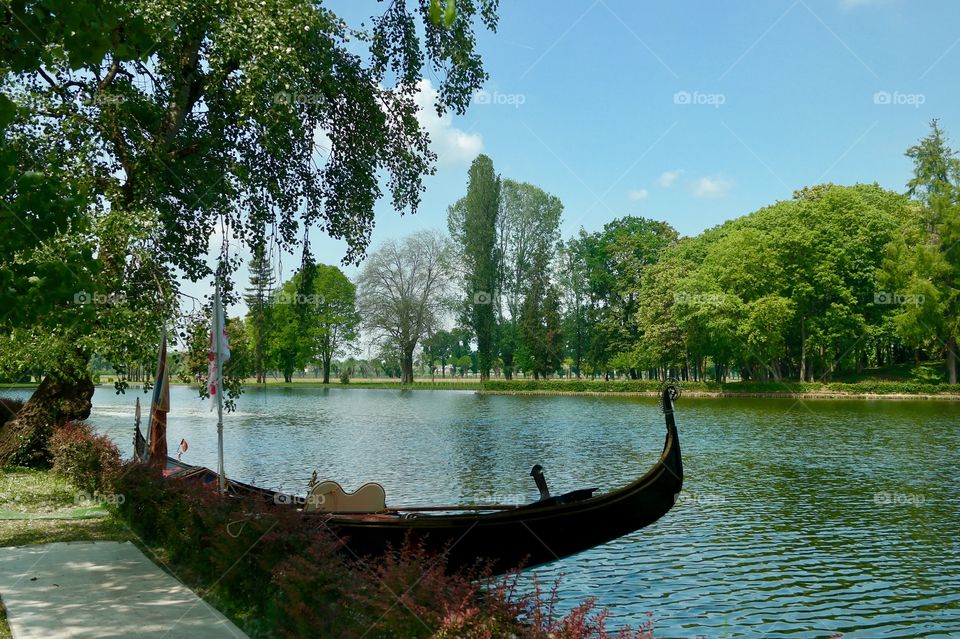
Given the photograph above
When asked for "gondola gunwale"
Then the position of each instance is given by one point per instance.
(529, 511)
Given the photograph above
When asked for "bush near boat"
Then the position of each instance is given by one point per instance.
(276, 574)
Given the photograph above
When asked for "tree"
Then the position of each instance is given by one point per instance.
(335, 318)
(402, 292)
(539, 327)
(439, 347)
(221, 123)
(923, 260)
(262, 281)
(288, 346)
(478, 233)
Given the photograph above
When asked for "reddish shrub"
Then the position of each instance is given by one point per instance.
(278, 574)
(90, 461)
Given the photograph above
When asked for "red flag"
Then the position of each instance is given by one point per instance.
(183, 448)
(159, 406)
(219, 349)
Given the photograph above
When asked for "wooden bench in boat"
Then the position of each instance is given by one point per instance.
(330, 497)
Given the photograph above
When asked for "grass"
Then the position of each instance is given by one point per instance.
(38, 507)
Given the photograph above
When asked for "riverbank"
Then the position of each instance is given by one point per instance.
(865, 390)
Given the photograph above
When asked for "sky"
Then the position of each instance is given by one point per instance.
(691, 112)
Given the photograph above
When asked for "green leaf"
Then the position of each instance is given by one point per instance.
(436, 12)
(450, 14)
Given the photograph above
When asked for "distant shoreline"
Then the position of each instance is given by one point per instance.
(865, 391)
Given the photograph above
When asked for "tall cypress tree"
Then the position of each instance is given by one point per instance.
(262, 281)
(480, 251)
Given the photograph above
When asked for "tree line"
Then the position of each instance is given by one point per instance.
(834, 281)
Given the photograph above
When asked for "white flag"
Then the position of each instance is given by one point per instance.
(219, 349)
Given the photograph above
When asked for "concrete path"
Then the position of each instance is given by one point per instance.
(101, 590)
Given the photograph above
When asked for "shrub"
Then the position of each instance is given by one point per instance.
(89, 461)
(280, 575)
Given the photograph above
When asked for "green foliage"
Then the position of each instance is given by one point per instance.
(478, 233)
(921, 263)
(89, 461)
(280, 574)
(312, 316)
(132, 130)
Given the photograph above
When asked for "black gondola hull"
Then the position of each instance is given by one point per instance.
(523, 537)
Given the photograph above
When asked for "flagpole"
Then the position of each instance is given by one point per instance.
(221, 484)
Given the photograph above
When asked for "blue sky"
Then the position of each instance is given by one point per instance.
(692, 112)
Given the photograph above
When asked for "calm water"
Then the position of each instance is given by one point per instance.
(799, 519)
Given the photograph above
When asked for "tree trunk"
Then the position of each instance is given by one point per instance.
(803, 350)
(406, 367)
(952, 359)
(23, 439)
(326, 370)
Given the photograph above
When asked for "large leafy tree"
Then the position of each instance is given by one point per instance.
(335, 316)
(184, 118)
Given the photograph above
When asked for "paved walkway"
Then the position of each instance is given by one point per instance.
(103, 589)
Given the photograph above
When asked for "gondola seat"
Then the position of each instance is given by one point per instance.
(330, 497)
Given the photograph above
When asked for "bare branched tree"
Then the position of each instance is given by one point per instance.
(403, 292)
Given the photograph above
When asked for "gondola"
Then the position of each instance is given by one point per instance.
(504, 537)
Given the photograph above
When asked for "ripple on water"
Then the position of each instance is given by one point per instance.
(798, 519)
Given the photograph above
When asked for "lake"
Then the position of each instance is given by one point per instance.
(798, 518)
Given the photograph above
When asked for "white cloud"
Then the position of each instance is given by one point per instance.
(639, 194)
(452, 145)
(667, 178)
(708, 187)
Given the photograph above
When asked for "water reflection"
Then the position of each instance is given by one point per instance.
(799, 519)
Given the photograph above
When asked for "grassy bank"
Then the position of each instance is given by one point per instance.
(38, 507)
(864, 389)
